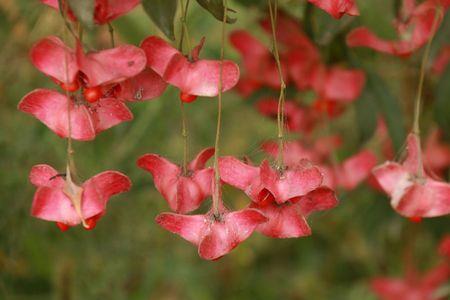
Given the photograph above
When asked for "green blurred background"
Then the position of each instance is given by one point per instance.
(128, 256)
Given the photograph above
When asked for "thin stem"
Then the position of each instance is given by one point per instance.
(184, 134)
(70, 151)
(281, 98)
(111, 35)
(216, 190)
(184, 129)
(80, 32)
(184, 29)
(63, 7)
(418, 102)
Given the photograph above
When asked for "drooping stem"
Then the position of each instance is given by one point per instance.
(111, 34)
(70, 151)
(184, 32)
(63, 8)
(216, 186)
(426, 54)
(80, 32)
(184, 134)
(184, 129)
(281, 99)
(418, 102)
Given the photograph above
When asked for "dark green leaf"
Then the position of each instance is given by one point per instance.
(378, 16)
(389, 107)
(162, 13)
(84, 11)
(442, 104)
(366, 115)
(215, 7)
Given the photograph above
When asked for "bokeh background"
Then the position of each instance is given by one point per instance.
(128, 256)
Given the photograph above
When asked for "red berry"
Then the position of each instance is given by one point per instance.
(187, 97)
(91, 223)
(70, 87)
(92, 94)
(63, 227)
(415, 219)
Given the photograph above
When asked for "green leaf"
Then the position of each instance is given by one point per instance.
(389, 107)
(378, 16)
(162, 13)
(84, 11)
(442, 104)
(215, 7)
(366, 115)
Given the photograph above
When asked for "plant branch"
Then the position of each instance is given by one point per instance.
(418, 102)
(184, 129)
(216, 186)
(281, 99)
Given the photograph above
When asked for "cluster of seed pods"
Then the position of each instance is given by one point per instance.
(297, 178)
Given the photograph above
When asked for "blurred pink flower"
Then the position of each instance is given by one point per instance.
(337, 8)
(104, 10)
(414, 27)
(413, 193)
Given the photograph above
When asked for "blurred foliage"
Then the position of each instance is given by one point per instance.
(129, 257)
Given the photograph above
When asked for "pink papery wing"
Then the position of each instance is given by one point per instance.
(418, 30)
(293, 152)
(294, 182)
(429, 199)
(192, 190)
(223, 236)
(285, 221)
(45, 175)
(147, 85)
(413, 161)
(165, 176)
(240, 175)
(52, 3)
(51, 204)
(322, 198)
(98, 189)
(54, 59)
(190, 228)
(108, 10)
(392, 177)
(337, 8)
(111, 65)
(201, 159)
(50, 108)
(108, 112)
(199, 78)
(356, 169)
